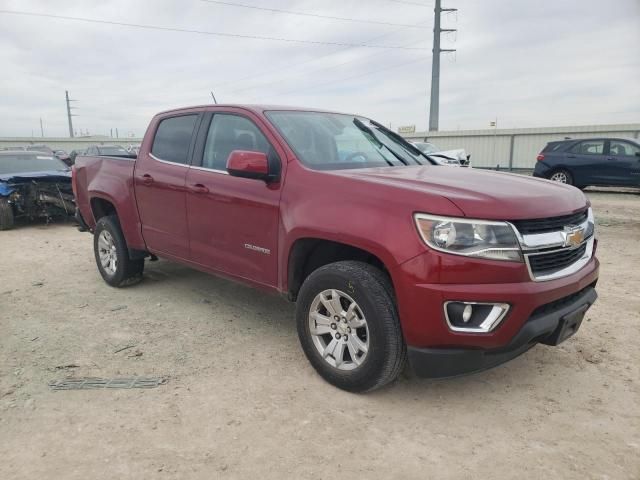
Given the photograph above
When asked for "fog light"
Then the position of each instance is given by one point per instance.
(466, 313)
(474, 317)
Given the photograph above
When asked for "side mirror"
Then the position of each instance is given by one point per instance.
(242, 163)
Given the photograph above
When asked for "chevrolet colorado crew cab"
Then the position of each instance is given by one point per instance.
(388, 255)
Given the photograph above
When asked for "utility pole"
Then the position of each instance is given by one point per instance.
(434, 109)
(41, 128)
(69, 114)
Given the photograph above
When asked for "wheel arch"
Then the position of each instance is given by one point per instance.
(307, 254)
(102, 207)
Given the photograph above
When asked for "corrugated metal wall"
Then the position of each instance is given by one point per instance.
(68, 144)
(517, 148)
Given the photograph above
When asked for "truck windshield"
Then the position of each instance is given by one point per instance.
(333, 141)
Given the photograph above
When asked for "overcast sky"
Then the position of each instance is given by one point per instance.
(528, 63)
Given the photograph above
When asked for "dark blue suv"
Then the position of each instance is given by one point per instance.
(591, 161)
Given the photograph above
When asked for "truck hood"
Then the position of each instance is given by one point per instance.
(477, 193)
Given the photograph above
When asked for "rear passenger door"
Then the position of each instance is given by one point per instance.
(160, 173)
(624, 162)
(233, 222)
(588, 162)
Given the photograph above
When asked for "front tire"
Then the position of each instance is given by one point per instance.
(112, 255)
(348, 326)
(6, 215)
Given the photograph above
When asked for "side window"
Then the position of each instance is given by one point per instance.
(589, 147)
(623, 148)
(227, 133)
(173, 138)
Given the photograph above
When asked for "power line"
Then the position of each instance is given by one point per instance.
(297, 65)
(204, 32)
(317, 70)
(410, 3)
(307, 14)
(366, 74)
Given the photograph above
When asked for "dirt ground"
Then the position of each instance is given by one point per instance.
(242, 401)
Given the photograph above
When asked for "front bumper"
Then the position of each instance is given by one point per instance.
(546, 325)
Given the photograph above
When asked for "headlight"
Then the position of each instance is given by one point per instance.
(473, 238)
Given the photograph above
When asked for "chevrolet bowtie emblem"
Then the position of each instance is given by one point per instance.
(573, 236)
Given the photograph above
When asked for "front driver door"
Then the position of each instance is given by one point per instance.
(233, 222)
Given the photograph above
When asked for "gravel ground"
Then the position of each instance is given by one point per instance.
(242, 401)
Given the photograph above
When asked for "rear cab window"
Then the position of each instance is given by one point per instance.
(173, 138)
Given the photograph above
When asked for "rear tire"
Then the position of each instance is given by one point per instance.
(6, 215)
(112, 255)
(348, 307)
(561, 176)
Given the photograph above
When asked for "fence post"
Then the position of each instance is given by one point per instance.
(511, 143)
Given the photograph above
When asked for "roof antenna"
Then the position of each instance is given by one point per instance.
(214, 98)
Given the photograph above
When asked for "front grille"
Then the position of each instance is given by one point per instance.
(547, 263)
(544, 225)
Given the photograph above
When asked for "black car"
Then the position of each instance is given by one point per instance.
(592, 161)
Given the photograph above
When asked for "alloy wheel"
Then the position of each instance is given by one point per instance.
(107, 252)
(339, 329)
(559, 177)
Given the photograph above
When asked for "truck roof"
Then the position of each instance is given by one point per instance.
(256, 108)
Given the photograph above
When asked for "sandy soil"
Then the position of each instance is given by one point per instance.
(242, 401)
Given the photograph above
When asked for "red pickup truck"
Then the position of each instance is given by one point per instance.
(388, 255)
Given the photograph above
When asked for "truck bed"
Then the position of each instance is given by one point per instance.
(111, 179)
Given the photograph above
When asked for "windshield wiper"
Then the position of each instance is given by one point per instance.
(400, 139)
(358, 123)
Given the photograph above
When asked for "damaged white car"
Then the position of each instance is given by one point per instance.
(452, 158)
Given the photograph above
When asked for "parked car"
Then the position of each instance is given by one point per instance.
(33, 185)
(39, 148)
(133, 149)
(385, 253)
(591, 161)
(64, 156)
(13, 149)
(452, 158)
(74, 153)
(109, 151)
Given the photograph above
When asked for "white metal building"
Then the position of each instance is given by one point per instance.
(516, 148)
